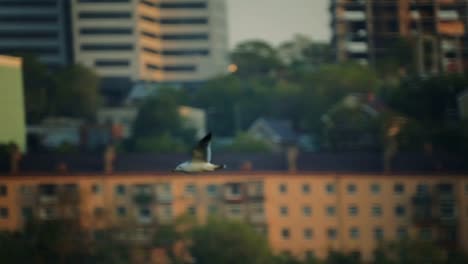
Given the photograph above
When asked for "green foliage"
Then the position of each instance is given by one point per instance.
(158, 126)
(38, 85)
(255, 58)
(406, 252)
(228, 242)
(76, 92)
(159, 144)
(243, 142)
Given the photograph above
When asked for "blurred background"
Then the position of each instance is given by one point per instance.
(101, 98)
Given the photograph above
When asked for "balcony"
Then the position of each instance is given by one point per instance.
(354, 16)
(255, 191)
(234, 192)
(143, 198)
(422, 200)
(357, 47)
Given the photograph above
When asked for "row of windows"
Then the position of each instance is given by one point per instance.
(111, 63)
(103, 15)
(186, 36)
(178, 5)
(354, 233)
(192, 188)
(28, 34)
(106, 31)
(29, 18)
(178, 68)
(34, 50)
(374, 188)
(36, 3)
(179, 52)
(177, 21)
(106, 47)
(353, 210)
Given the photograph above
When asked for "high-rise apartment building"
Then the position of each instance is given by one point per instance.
(366, 31)
(176, 42)
(168, 42)
(39, 27)
(301, 213)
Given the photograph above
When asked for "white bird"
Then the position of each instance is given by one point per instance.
(201, 158)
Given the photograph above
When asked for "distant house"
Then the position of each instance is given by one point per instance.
(278, 133)
(463, 105)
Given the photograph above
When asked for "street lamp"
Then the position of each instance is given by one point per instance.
(232, 68)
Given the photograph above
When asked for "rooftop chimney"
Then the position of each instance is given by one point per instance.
(292, 154)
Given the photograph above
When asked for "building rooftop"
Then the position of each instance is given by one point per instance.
(306, 162)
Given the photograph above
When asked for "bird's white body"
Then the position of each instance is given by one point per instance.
(201, 158)
(191, 166)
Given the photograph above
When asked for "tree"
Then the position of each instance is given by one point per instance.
(409, 251)
(76, 93)
(255, 58)
(158, 125)
(38, 85)
(228, 242)
(243, 142)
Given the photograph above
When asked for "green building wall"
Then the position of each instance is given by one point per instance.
(12, 109)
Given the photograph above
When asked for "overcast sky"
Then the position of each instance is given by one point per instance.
(277, 20)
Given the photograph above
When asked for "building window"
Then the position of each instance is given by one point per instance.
(107, 47)
(352, 188)
(120, 190)
(182, 5)
(378, 233)
(332, 233)
(104, 15)
(26, 189)
(308, 233)
(144, 213)
(179, 68)
(235, 210)
(196, 36)
(106, 31)
(96, 188)
(305, 188)
(285, 234)
(425, 234)
(402, 233)
(283, 188)
(191, 210)
(331, 210)
(376, 210)
(400, 210)
(212, 190)
(422, 188)
(212, 209)
(284, 210)
(307, 210)
(190, 189)
(181, 21)
(330, 188)
(375, 188)
(354, 233)
(353, 210)
(121, 211)
(4, 213)
(111, 63)
(398, 188)
(3, 190)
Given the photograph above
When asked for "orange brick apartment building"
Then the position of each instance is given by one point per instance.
(302, 213)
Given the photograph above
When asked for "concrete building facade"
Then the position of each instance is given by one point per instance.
(179, 43)
(300, 213)
(12, 115)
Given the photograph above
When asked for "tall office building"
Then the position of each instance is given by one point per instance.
(366, 30)
(167, 42)
(39, 27)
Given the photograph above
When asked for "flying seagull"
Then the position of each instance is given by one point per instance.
(201, 158)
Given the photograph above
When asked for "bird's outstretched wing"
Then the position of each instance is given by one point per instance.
(202, 151)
